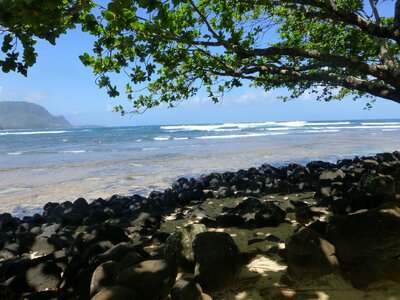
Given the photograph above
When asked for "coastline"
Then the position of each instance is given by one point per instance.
(307, 194)
(101, 162)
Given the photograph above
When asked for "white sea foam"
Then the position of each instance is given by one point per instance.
(327, 123)
(227, 129)
(12, 190)
(32, 132)
(181, 138)
(380, 123)
(292, 124)
(138, 140)
(217, 127)
(322, 131)
(162, 138)
(150, 148)
(279, 128)
(72, 151)
(248, 125)
(191, 128)
(234, 136)
(365, 127)
(14, 153)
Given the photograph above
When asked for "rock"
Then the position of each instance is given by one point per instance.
(290, 206)
(186, 289)
(224, 192)
(131, 259)
(116, 253)
(169, 198)
(42, 246)
(153, 279)
(378, 185)
(96, 215)
(365, 236)
(7, 293)
(81, 282)
(71, 218)
(178, 247)
(61, 240)
(41, 277)
(105, 275)
(255, 212)
(10, 251)
(370, 164)
(49, 230)
(218, 260)
(309, 255)
(247, 208)
(332, 175)
(197, 213)
(117, 292)
(43, 295)
(95, 249)
(111, 233)
(270, 215)
(229, 220)
(374, 274)
(306, 214)
(147, 222)
(297, 173)
(6, 221)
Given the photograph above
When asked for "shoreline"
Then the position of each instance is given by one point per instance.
(102, 162)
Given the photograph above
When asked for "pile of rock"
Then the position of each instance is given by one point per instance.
(81, 250)
(361, 239)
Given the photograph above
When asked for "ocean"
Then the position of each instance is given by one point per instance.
(38, 166)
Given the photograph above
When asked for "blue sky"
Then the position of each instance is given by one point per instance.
(64, 86)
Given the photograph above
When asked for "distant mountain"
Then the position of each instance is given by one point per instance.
(26, 115)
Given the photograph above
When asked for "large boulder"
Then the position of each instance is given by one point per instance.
(372, 234)
(218, 260)
(309, 255)
(105, 275)
(178, 246)
(153, 279)
(117, 292)
(41, 277)
(186, 288)
(368, 245)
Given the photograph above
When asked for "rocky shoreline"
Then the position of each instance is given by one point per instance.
(256, 234)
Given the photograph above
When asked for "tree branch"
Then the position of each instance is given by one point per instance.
(397, 14)
(209, 27)
(378, 71)
(345, 17)
(290, 76)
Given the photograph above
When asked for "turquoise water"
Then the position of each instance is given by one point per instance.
(58, 165)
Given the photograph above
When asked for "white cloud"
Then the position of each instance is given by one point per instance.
(109, 108)
(247, 98)
(253, 97)
(36, 96)
(75, 112)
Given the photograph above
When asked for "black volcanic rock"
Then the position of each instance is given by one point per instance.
(25, 115)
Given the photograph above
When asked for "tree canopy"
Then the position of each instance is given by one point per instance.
(168, 50)
(22, 21)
